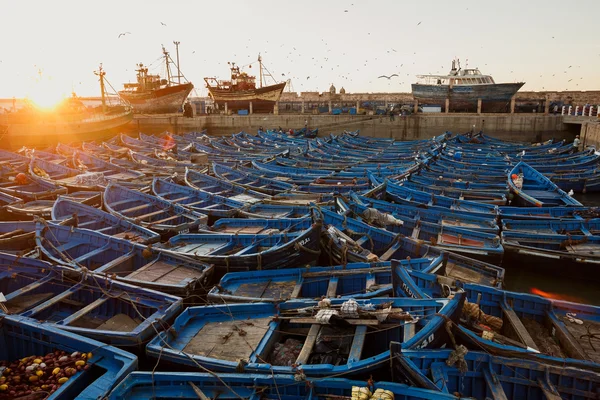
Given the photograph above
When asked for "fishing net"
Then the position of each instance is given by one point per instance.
(91, 179)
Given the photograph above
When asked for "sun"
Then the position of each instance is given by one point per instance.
(45, 99)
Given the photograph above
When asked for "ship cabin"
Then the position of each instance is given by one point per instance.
(466, 77)
(145, 81)
(239, 81)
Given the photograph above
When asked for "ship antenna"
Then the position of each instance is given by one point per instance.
(260, 69)
(178, 70)
(166, 54)
(101, 74)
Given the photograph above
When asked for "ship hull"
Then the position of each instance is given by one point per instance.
(44, 134)
(161, 101)
(494, 97)
(263, 99)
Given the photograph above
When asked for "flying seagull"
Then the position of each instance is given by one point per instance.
(388, 77)
(419, 23)
(163, 24)
(123, 34)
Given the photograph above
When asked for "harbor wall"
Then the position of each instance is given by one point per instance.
(525, 127)
(590, 134)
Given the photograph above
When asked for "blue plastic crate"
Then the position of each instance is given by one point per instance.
(242, 112)
(22, 337)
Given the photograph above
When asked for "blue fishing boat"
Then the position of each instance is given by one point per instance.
(17, 237)
(87, 217)
(30, 210)
(209, 335)
(488, 197)
(276, 211)
(22, 337)
(210, 184)
(150, 211)
(346, 239)
(122, 260)
(508, 212)
(112, 172)
(247, 252)
(73, 179)
(554, 226)
(33, 189)
(556, 251)
(355, 280)
(159, 163)
(535, 190)
(113, 312)
(478, 244)
(290, 171)
(261, 226)
(251, 182)
(438, 216)
(191, 385)
(141, 145)
(206, 203)
(413, 197)
(513, 324)
(482, 376)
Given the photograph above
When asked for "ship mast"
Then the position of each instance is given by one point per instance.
(260, 69)
(101, 74)
(176, 43)
(166, 54)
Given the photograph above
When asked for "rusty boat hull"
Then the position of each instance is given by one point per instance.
(263, 99)
(160, 101)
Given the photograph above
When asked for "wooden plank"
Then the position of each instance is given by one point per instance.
(516, 323)
(297, 289)
(136, 208)
(308, 344)
(332, 287)
(149, 215)
(162, 221)
(357, 343)
(84, 310)
(493, 383)
(11, 233)
(25, 301)
(120, 322)
(370, 281)
(549, 390)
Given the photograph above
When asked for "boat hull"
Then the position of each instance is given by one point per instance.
(161, 101)
(495, 97)
(39, 134)
(263, 99)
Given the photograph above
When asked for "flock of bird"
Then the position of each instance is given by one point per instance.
(345, 76)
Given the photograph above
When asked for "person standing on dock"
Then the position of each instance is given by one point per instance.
(576, 143)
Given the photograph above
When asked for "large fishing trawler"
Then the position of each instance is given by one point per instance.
(153, 95)
(463, 87)
(241, 90)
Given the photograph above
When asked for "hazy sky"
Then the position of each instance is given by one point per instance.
(314, 43)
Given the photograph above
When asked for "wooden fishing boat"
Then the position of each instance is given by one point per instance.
(509, 212)
(143, 146)
(276, 211)
(259, 225)
(23, 337)
(87, 217)
(73, 179)
(513, 324)
(413, 197)
(150, 211)
(346, 239)
(17, 237)
(354, 280)
(206, 203)
(437, 216)
(112, 172)
(30, 210)
(173, 165)
(488, 197)
(492, 377)
(478, 244)
(189, 385)
(556, 252)
(553, 226)
(536, 189)
(268, 326)
(210, 184)
(122, 260)
(113, 312)
(251, 182)
(33, 189)
(247, 252)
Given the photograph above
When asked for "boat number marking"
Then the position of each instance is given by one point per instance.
(426, 342)
(408, 291)
(304, 241)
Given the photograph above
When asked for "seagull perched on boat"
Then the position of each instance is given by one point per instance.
(388, 77)
(123, 34)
